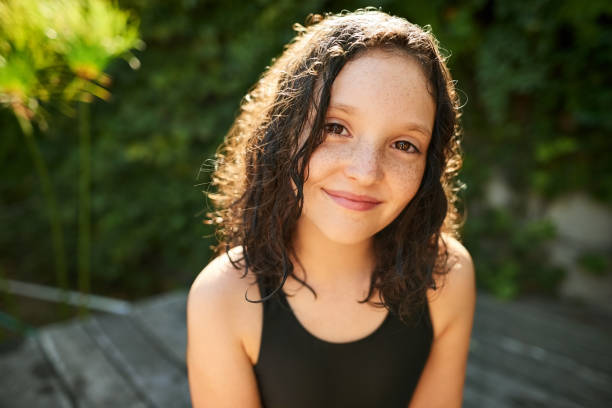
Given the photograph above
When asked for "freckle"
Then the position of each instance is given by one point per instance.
(410, 171)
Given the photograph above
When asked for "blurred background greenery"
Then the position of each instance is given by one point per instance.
(533, 76)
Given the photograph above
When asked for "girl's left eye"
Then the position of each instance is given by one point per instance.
(334, 128)
(405, 146)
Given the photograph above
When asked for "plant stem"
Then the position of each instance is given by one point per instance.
(57, 236)
(84, 241)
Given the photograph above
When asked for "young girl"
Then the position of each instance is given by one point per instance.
(340, 282)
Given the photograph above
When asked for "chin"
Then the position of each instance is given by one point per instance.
(346, 236)
(337, 228)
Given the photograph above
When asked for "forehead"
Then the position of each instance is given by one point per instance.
(385, 82)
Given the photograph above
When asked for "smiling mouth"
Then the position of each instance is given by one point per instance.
(352, 201)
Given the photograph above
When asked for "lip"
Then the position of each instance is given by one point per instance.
(352, 201)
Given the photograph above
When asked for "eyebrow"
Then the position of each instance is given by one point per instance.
(409, 126)
(343, 107)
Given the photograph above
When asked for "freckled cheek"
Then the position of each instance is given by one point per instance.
(405, 178)
(321, 163)
(324, 160)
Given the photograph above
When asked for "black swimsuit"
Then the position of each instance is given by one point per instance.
(296, 369)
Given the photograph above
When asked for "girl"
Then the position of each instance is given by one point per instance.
(339, 280)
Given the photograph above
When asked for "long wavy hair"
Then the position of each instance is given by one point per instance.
(257, 206)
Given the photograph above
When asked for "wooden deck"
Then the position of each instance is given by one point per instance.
(523, 354)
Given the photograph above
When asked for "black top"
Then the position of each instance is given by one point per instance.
(296, 369)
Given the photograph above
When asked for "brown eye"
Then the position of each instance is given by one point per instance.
(405, 146)
(335, 128)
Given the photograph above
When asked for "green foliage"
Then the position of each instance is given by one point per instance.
(59, 48)
(596, 264)
(94, 34)
(511, 253)
(25, 50)
(532, 74)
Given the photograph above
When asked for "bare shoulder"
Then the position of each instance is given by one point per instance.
(459, 268)
(451, 308)
(219, 323)
(454, 299)
(221, 279)
(218, 295)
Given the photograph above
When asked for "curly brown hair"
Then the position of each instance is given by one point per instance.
(257, 206)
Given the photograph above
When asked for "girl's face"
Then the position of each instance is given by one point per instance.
(370, 166)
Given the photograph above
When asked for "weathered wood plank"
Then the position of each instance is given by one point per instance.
(28, 380)
(165, 318)
(91, 378)
(492, 383)
(584, 314)
(542, 365)
(474, 398)
(527, 372)
(545, 351)
(132, 353)
(536, 327)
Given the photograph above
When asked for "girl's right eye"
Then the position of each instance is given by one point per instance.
(334, 128)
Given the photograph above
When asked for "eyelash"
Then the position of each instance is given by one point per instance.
(331, 125)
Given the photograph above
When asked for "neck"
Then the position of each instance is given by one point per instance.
(331, 264)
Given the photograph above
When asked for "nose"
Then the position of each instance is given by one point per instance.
(364, 164)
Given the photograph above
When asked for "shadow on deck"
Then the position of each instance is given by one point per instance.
(530, 353)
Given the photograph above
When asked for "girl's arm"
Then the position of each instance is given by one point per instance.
(452, 312)
(220, 371)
